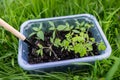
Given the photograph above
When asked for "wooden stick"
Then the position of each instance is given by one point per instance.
(12, 30)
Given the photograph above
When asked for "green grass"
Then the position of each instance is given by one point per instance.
(15, 12)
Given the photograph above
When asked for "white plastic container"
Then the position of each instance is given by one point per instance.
(26, 29)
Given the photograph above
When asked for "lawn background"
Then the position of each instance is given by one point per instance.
(15, 12)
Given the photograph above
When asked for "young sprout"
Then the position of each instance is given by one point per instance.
(61, 27)
(101, 46)
(77, 24)
(57, 42)
(79, 48)
(65, 44)
(76, 31)
(40, 50)
(38, 31)
(68, 27)
(82, 24)
(58, 28)
(54, 29)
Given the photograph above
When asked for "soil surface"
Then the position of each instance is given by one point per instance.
(34, 58)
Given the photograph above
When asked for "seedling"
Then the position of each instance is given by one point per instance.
(40, 50)
(65, 27)
(101, 46)
(55, 29)
(38, 31)
(76, 38)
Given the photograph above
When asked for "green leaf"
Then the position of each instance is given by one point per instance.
(86, 36)
(76, 78)
(35, 29)
(78, 38)
(92, 39)
(68, 27)
(53, 35)
(68, 37)
(81, 39)
(83, 51)
(114, 68)
(82, 34)
(82, 24)
(13, 62)
(40, 27)
(52, 28)
(51, 40)
(51, 23)
(88, 46)
(77, 23)
(87, 25)
(83, 29)
(67, 24)
(79, 48)
(75, 39)
(40, 46)
(70, 47)
(33, 33)
(65, 43)
(76, 31)
(40, 35)
(71, 27)
(101, 46)
(57, 42)
(61, 27)
(40, 52)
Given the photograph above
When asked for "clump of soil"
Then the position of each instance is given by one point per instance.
(34, 58)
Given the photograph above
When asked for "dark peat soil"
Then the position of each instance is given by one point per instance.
(34, 58)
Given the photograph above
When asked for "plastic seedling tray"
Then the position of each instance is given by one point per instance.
(26, 29)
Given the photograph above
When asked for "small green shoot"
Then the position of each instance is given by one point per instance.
(68, 27)
(40, 50)
(101, 46)
(38, 31)
(79, 48)
(52, 26)
(61, 27)
(57, 42)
